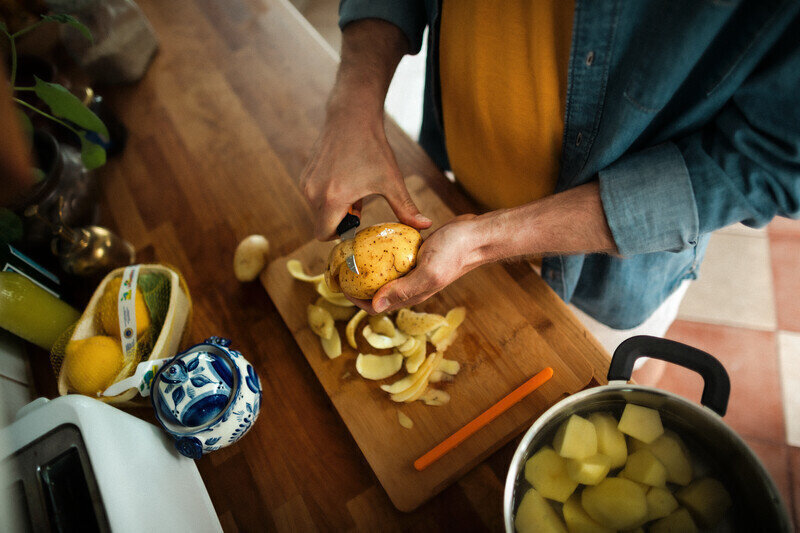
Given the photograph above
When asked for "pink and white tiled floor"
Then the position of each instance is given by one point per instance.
(745, 310)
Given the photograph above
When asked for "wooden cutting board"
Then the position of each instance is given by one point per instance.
(505, 339)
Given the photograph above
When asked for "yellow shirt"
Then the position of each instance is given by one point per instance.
(503, 72)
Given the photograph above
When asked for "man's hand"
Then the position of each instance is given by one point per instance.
(352, 158)
(446, 255)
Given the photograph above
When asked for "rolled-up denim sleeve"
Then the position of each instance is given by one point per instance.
(743, 166)
(408, 16)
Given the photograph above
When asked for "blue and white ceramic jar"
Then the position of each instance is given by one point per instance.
(206, 397)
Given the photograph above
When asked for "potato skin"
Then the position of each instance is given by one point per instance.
(383, 253)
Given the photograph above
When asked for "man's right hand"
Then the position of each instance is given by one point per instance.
(352, 159)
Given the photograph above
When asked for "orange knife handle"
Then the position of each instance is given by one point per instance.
(351, 220)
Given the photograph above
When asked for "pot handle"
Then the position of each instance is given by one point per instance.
(717, 386)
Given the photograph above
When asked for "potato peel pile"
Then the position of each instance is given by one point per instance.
(408, 336)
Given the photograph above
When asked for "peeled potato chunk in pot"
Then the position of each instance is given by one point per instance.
(547, 472)
(589, 471)
(644, 467)
(641, 423)
(578, 520)
(610, 440)
(677, 521)
(706, 499)
(383, 253)
(616, 503)
(673, 454)
(660, 503)
(535, 515)
(576, 438)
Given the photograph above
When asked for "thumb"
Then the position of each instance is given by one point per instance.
(405, 209)
(399, 292)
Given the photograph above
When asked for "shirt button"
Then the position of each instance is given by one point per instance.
(589, 59)
(578, 139)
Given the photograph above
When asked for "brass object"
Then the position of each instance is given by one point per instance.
(88, 250)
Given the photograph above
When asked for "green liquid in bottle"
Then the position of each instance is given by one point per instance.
(30, 312)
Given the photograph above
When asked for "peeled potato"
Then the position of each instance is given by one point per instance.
(333, 346)
(679, 521)
(383, 253)
(671, 451)
(296, 270)
(589, 471)
(378, 366)
(640, 423)
(382, 325)
(547, 472)
(610, 440)
(576, 438)
(578, 520)
(706, 499)
(644, 467)
(337, 311)
(250, 257)
(350, 330)
(320, 321)
(415, 323)
(660, 503)
(535, 515)
(616, 503)
(450, 367)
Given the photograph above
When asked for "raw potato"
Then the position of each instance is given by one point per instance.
(333, 346)
(404, 420)
(417, 357)
(660, 503)
(337, 311)
(350, 330)
(535, 515)
(610, 440)
(336, 260)
(415, 323)
(435, 397)
(644, 467)
(383, 253)
(634, 445)
(296, 270)
(616, 503)
(333, 297)
(547, 472)
(578, 521)
(641, 423)
(576, 438)
(320, 321)
(706, 499)
(250, 257)
(672, 452)
(589, 471)
(382, 342)
(450, 367)
(382, 325)
(677, 522)
(377, 367)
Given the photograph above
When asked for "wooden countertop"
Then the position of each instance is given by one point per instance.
(220, 129)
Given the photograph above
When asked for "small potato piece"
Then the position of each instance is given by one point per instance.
(672, 452)
(610, 440)
(350, 329)
(448, 366)
(578, 521)
(576, 438)
(679, 521)
(644, 467)
(706, 499)
(660, 503)
(547, 472)
(337, 311)
(320, 321)
(296, 270)
(382, 325)
(250, 257)
(414, 323)
(616, 503)
(377, 367)
(641, 423)
(535, 515)
(435, 397)
(404, 421)
(333, 346)
(589, 471)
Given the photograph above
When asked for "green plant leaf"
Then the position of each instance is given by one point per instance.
(4, 28)
(93, 155)
(63, 18)
(10, 226)
(25, 122)
(66, 105)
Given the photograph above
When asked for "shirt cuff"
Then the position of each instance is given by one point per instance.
(649, 201)
(408, 16)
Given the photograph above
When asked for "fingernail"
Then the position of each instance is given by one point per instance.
(423, 219)
(380, 305)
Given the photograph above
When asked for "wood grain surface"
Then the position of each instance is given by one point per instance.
(220, 129)
(500, 345)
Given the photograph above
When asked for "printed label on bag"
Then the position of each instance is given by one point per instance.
(127, 310)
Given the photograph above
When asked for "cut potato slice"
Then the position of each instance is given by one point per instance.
(634, 445)
(641, 423)
(418, 388)
(408, 381)
(706, 499)
(616, 503)
(535, 515)
(576, 438)
(435, 397)
(547, 472)
(337, 311)
(382, 325)
(610, 440)
(296, 270)
(672, 452)
(660, 503)
(320, 321)
(578, 521)
(336, 298)
(679, 521)
(378, 366)
(333, 346)
(418, 356)
(644, 467)
(350, 330)
(448, 366)
(409, 347)
(414, 323)
(589, 471)
(404, 420)
(382, 342)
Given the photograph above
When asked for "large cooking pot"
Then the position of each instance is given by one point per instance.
(757, 503)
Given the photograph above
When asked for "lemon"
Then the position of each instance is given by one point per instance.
(92, 364)
(109, 315)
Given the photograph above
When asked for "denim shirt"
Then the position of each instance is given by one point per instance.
(686, 111)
